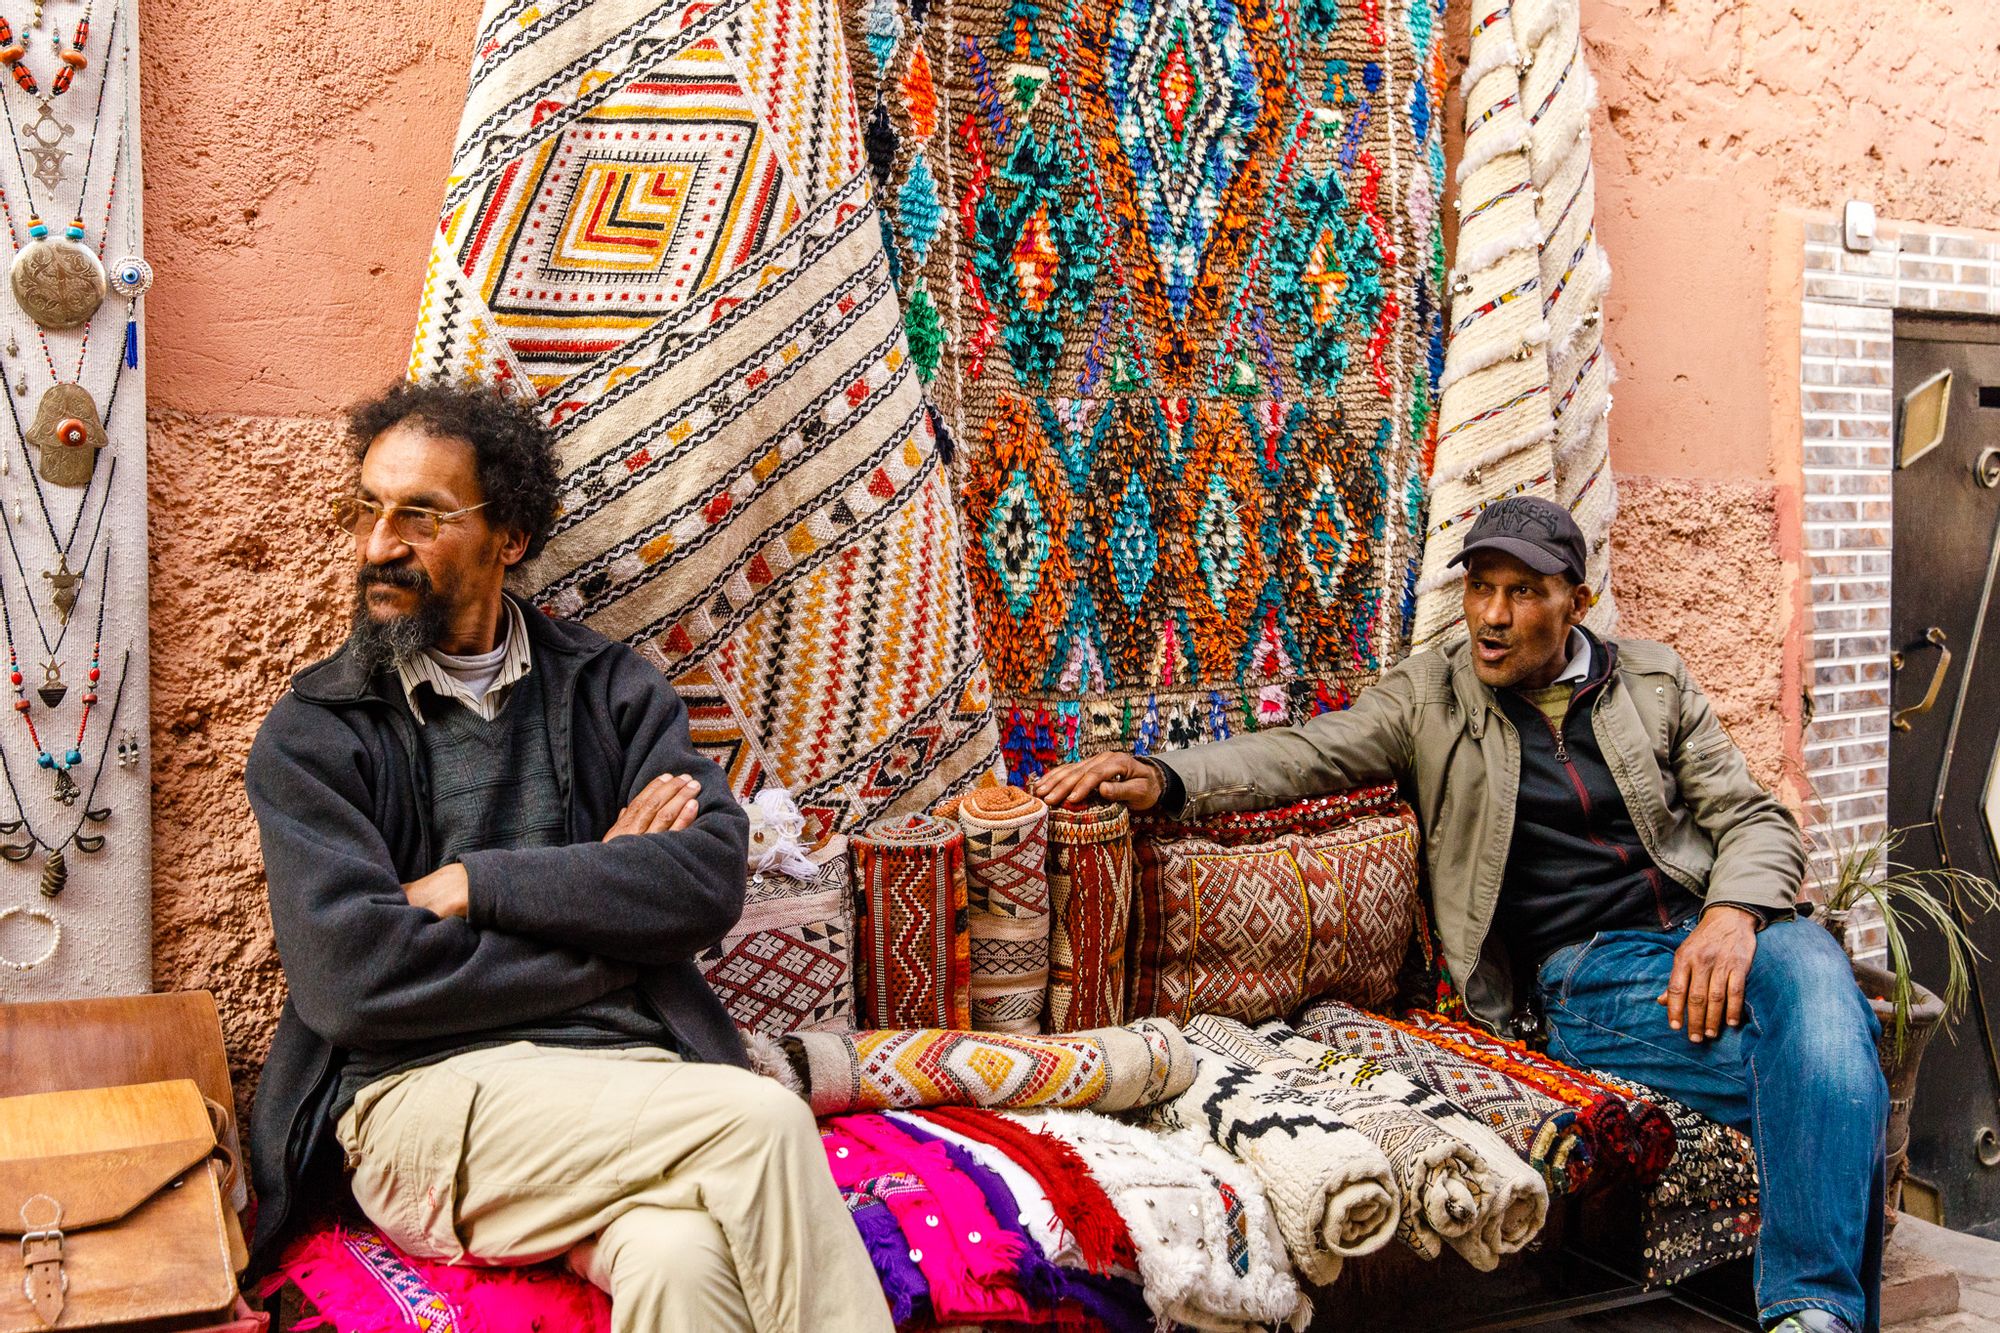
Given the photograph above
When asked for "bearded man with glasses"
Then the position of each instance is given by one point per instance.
(492, 854)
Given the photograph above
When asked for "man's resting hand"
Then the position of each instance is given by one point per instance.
(444, 891)
(1710, 968)
(1114, 776)
(667, 804)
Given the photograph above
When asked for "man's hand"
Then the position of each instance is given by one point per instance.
(1710, 967)
(1116, 777)
(444, 891)
(666, 804)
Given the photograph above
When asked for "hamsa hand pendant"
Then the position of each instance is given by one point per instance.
(69, 434)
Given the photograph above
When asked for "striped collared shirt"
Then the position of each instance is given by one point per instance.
(425, 669)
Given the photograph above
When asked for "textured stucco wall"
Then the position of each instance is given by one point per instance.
(291, 190)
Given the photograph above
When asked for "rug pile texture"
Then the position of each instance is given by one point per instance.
(1171, 271)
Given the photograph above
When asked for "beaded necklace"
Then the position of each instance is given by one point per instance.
(52, 692)
(58, 282)
(14, 55)
(55, 869)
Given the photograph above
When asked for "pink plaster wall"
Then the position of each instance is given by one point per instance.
(291, 186)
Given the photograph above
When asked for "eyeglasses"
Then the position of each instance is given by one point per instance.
(410, 526)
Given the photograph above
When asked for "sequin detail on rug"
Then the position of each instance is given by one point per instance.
(657, 225)
(1171, 271)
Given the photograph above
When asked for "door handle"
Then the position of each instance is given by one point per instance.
(1901, 720)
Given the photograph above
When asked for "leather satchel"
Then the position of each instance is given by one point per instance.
(116, 1200)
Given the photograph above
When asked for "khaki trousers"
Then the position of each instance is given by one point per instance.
(696, 1195)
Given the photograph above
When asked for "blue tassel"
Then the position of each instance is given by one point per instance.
(132, 343)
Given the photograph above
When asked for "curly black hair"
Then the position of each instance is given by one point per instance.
(516, 452)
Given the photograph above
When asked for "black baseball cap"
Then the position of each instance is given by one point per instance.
(1537, 532)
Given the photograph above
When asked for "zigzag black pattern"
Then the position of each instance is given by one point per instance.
(684, 345)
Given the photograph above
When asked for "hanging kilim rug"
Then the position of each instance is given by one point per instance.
(657, 224)
(1171, 272)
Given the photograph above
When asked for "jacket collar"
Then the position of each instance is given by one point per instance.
(1475, 696)
(346, 678)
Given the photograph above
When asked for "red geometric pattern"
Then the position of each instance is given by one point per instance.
(1090, 891)
(788, 966)
(1251, 931)
(915, 952)
(1539, 1127)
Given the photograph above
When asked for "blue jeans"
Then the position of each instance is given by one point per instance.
(1800, 1076)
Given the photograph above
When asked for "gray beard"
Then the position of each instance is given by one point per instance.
(384, 642)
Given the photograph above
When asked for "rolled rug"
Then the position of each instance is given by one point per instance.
(915, 956)
(1331, 1188)
(1704, 1209)
(1007, 898)
(1540, 1128)
(1516, 1203)
(1090, 897)
(1209, 1251)
(1106, 1069)
(1447, 1193)
(1632, 1133)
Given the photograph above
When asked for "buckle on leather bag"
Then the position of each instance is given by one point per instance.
(43, 1280)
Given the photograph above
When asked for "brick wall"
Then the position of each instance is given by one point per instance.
(1845, 375)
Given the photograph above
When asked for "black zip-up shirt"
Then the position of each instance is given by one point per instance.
(1577, 864)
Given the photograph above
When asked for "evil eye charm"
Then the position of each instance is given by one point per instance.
(132, 277)
(72, 432)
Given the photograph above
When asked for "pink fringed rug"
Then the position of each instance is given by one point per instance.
(359, 1283)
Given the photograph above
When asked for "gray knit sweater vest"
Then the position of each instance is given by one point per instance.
(493, 784)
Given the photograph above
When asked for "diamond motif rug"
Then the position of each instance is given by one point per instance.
(1007, 896)
(1171, 271)
(657, 224)
(1109, 1069)
(915, 954)
(788, 964)
(1253, 930)
(1538, 1126)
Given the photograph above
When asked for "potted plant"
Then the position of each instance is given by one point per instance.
(1864, 877)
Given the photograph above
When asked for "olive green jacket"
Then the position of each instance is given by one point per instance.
(1432, 726)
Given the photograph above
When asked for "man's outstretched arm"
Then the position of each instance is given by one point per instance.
(1351, 747)
(366, 968)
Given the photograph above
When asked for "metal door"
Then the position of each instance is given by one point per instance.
(1944, 749)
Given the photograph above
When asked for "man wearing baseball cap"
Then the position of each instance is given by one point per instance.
(1605, 876)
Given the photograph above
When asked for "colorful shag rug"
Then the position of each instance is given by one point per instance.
(356, 1282)
(658, 226)
(915, 954)
(1007, 897)
(1172, 273)
(1253, 929)
(1090, 896)
(1112, 1069)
